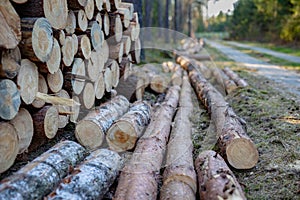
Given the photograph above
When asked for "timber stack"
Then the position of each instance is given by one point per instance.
(57, 57)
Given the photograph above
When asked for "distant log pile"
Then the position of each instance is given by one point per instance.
(57, 57)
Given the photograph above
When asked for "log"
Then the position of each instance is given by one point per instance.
(239, 81)
(84, 47)
(56, 12)
(75, 42)
(97, 36)
(124, 132)
(81, 20)
(176, 78)
(106, 5)
(76, 84)
(215, 179)
(94, 177)
(223, 80)
(27, 81)
(87, 97)
(20, 1)
(94, 66)
(89, 9)
(10, 29)
(141, 171)
(76, 4)
(55, 81)
(136, 51)
(39, 177)
(105, 23)
(108, 79)
(125, 16)
(124, 65)
(32, 8)
(115, 27)
(90, 131)
(99, 4)
(54, 61)
(23, 124)
(63, 119)
(115, 70)
(179, 172)
(116, 51)
(158, 82)
(10, 63)
(42, 88)
(99, 86)
(10, 99)
(9, 146)
(75, 109)
(56, 100)
(129, 6)
(233, 141)
(71, 22)
(127, 44)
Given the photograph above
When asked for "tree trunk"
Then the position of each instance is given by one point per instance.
(179, 163)
(42, 88)
(27, 81)
(215, 179)
(24, 128)
(233, 141)
(239, 81)
(92, 178)
(39, 177)
(138, 179)
(160, 18)
(55, 81)
(91, 130)
(10, 29)
(10, 63)
(124, 133)
(9, 147)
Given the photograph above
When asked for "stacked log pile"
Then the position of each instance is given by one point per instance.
(58, 57)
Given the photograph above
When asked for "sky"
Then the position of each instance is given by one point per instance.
(215, 8)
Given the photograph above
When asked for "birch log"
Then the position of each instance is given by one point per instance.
(239, 81)
(91, 179)
(179, 173)
(39, 177)
(10, 99)
(124, 133)
(138, 179)
(215, 179)
(91, 130)
(233, 141)
(9, 146)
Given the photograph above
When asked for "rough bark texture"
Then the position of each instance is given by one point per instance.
(92, 178)
(124, 133)
(10, 99)
(224, 81)
(233, 141)
(138, 179)
(9, 146)
(239, 81)
(39, 177)
(215, 179)
(179, 163)
(91, 130)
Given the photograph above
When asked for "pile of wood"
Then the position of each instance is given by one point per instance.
(57, 58)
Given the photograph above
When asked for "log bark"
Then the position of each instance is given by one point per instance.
(39, 177)
(68, 50)
(89, 9)
(71, 22)
(42, 88)
(124, 133)
(138, 179)
(233, 141)
(76, 4)
(10, 63)
(223, 80)
(99, 4)
(239, 81)
(9, 146)
(179, 172)
(116, 51)
(215, 179)
(94, 177)
(10, 99)
(27, 81)
(10, 29)
(115, 27)
(91, 130)
(55, 81)
(56, 12)
(24, 128)
(99, 87)
(63, 119)
(74, 83)
(176, 78)
(84, 47)
(127, 44)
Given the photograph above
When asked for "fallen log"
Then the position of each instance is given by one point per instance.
(239, 81)
(91, 179)
(90, 131)
(215, 179)
(23, 124)
(10, 99)
(233, 141)
(39, 177)
(179, 172)
(10, 63)
(9, 147)
(224, 81)
(124, 133)
(106, 23)
(138, 179)
(176, 78)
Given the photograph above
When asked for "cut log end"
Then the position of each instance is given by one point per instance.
(176, 190)
(51, 122)
(53, 63)
(242, 154)
(56, 12)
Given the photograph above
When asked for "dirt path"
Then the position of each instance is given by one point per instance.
(283, 56)
(290, 80)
